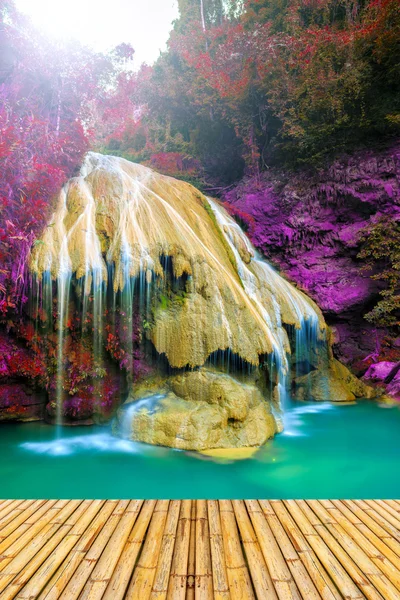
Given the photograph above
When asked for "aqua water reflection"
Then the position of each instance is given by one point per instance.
(325, 451)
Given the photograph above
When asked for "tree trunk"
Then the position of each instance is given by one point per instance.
(203, 21)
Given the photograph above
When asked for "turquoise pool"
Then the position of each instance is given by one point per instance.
(326, 451)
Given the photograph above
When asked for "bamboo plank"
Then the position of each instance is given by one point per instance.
(76, 584)
(280, 574)
(123, 571)
(260, 576)
(327, 556)
(352, 568)
(300, 574)
(191, 577)
(371, 524)
(369, 569)
(382, 543)
(24, 566)
(220, 577)
(240, 586)
(385, 513)
(102, 573)
(315, 569)
(144, 573)
(4, 504)
(24, 527)
(34, 586)
(15, 515)
(162, 576)
(179, 568)
(394, 505)
(203, 550)
(360, 543)
(19, 519)
(395, 533)
(22, 551)
(60, 579)
(387, 505)
(34, 534)
(9, 508)
(204, 583)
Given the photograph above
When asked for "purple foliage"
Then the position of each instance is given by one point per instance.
(309, 224)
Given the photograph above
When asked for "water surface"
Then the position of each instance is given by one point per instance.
(326, 451)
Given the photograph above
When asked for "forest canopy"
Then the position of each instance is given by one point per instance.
(243, 85)
(246, 85)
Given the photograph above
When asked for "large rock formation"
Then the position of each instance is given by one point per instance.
(151, 276)
(200, 410)
(144, 224)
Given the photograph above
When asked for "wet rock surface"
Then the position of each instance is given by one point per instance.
(386, 375)
(336, 384)
(18, 402)
(309, 224)
(139, 276)
(201, 410)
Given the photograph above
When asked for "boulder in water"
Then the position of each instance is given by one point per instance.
(336, 384)
(200, 410)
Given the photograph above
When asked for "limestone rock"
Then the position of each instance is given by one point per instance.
(336, 384)
(123, 218)
(386, 375)
(203, 410)
(378, 372)
(189, 290)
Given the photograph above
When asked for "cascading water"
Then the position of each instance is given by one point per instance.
(143, 258)
(254, 275)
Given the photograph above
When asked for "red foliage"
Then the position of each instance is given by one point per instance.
(290, 73)
(244, 219)
(175, 164)
(54, 102)
(17, 362)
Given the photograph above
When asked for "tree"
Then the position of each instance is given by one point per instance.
(55, 101)
(381, 251)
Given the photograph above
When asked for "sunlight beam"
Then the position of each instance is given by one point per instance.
(103, 25)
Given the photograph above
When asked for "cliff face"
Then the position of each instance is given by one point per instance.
(309, 225)
(138, 283)
(119, 222)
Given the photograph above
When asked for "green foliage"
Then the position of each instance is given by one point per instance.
(381, 251)
(165, 302)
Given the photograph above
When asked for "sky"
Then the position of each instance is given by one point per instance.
(103, 24)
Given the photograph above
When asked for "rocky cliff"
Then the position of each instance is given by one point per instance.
(142, 289)
(310, 226)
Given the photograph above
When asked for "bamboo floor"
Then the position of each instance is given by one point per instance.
(200, 550)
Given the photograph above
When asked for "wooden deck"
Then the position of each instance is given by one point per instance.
(199, 550)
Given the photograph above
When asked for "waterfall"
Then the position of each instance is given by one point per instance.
(256, 273)
(130, 249)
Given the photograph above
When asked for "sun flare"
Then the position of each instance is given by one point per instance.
(102, 25)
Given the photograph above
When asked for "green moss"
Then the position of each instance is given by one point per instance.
(180, 298)
(163, 302)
